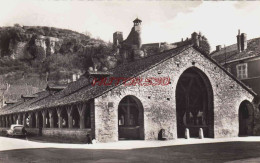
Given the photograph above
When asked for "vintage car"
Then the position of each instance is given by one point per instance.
(16, 130)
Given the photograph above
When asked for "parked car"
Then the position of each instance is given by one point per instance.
(16, 130)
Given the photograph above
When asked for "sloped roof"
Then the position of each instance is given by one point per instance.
(137, 20)
(82, 90)
(230, 53)
(21, 106)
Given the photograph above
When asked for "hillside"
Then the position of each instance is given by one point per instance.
(32, 56)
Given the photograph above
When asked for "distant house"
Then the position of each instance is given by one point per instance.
(242, 60)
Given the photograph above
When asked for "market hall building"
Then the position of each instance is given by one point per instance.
(200, 94)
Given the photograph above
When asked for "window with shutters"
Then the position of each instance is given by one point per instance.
(242, 71)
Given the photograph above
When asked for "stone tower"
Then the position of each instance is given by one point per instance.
(137, 32)
(117, 38)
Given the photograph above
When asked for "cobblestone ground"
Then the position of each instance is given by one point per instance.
(238, 151)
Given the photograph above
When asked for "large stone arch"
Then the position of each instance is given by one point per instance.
(130, 118)
(245, 118)
(194, 103)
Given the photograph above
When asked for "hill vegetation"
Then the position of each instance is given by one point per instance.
(33, 56)
(47, 50)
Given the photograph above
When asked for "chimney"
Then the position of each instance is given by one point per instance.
(195, 39)
(218, 48)
(74, 77)
(243, 42)
(239, 41)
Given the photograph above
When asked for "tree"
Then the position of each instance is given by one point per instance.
(204, 45)
(17, 25)
(87, 33)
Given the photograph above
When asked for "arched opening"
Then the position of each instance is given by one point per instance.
(130, 119)
(245, 119)
(194, 104)
(75, 118)
(64, 116)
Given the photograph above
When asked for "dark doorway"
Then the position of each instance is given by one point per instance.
(33, 120)
(75, 118)
(55, 118)
(194, 104)
(130, 119)
(64, 116)
(245, 118)
(40, 119)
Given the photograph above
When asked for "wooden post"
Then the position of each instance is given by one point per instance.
(82, 109)
(44, 112)
(30, 120)
(6, 122)
(19, 118)
(92, 117)
(70, 118)
(37, 124)
(3, 121)
(59, 117)
(24, 119)
(51, 118)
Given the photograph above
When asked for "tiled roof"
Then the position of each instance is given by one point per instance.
(21, 106)
(230, 53)
(82, 90)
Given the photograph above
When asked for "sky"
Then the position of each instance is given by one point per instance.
(163, 21)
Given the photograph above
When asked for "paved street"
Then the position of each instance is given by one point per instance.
(206, 150)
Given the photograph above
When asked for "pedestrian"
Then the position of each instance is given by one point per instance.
(89, 139)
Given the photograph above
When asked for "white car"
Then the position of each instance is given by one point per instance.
(16, 130)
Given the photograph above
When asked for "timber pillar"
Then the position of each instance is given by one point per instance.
(51, 119)
(82, 110)
(44, 112)
(70, 118)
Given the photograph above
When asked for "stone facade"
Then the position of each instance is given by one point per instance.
(159, 102)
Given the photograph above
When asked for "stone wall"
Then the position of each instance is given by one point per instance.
(32, 131)
(3, 131)
(159, 101)
(256, 122)
(78, 134)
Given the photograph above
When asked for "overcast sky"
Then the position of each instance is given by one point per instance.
(162, 20)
